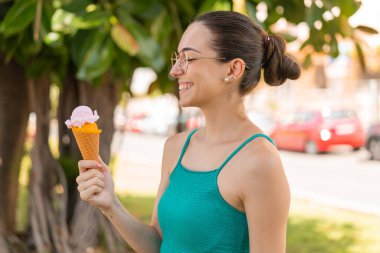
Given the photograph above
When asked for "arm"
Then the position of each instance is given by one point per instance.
(98, 189)
(266, 198)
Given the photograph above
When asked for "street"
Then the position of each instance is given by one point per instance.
(341, 178)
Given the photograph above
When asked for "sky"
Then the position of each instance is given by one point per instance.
(368, 14)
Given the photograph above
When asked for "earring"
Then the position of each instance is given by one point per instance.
(229, 79)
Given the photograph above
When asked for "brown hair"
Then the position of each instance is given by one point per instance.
(237, 36)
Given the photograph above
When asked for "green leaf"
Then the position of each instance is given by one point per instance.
(367, 29)
(75, 6)
(150, 51)
(68, 22)
(162, 27)
(347, 7)
(313, 14)
(345, 27)
(124, 39)
(93, 52)
(20, 15)
(307, 61)
(294, 11)
(89, 20)
(334, 49)
(62, 21)
(80, 43)
(359, 50)
(53, 39)
(123, 66)
(288, 37)
(147, 9)
(38, 66)
(306, 43)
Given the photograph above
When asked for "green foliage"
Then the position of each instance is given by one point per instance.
(93, 53)
(18, 17)
(111, 36)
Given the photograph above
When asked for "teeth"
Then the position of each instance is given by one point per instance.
(185, 86)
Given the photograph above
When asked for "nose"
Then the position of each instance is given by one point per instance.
(176, 71)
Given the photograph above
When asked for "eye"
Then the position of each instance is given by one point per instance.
(191, 59)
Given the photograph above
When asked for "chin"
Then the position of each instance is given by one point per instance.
(185, 103)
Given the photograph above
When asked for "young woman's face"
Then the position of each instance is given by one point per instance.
(200, 79)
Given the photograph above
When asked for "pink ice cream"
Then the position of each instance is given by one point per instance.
(82, 115)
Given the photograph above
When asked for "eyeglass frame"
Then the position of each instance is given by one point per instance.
(188, 59)
(175, 58)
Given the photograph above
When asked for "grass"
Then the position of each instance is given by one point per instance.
(338, 230)
(312, 228)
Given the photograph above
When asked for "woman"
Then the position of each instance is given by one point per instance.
(223, 187)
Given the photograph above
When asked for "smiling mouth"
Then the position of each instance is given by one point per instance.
(185, 86)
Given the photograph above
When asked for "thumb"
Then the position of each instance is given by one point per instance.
(102, 164)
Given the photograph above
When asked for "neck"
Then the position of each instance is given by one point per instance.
(225, 122)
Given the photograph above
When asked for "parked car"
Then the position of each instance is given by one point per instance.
(373, 141)
(316, 131)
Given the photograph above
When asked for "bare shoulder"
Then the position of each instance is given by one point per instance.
(172, 150)
(261, 168)
(265, 195)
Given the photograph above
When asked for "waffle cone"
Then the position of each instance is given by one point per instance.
(88, 142)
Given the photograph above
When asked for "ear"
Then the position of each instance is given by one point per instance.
(236, 68)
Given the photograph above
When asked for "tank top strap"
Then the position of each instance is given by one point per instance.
(242, 146)
(186, 144)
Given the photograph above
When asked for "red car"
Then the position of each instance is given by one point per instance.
(315, 131)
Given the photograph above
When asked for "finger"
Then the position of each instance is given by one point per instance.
(89, 192)
(102, 164)
(89, 174)
(87, 184)
(85, 165)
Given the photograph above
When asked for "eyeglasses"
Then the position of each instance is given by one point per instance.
(183, 60)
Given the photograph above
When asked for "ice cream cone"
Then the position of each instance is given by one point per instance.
(86, 131)
(87, 138)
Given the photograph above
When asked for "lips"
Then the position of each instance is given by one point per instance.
(184, 86)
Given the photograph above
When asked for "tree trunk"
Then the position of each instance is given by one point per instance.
(14, 111)
(86, 221)
(47, 187)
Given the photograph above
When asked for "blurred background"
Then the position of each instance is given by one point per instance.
(114, 56)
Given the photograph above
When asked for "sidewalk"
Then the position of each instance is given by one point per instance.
(137, 170)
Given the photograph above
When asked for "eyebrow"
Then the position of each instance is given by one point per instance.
(189, 49)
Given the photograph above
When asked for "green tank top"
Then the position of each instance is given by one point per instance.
(193, 215)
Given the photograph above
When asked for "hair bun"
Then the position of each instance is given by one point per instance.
(277, 66)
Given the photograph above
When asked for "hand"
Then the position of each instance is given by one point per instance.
(95, 183)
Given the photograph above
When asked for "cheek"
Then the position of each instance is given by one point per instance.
(207, 75)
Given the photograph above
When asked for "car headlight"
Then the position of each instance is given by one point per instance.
(325, 134)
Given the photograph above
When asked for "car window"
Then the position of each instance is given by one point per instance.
(343, 114)
(299, 117)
